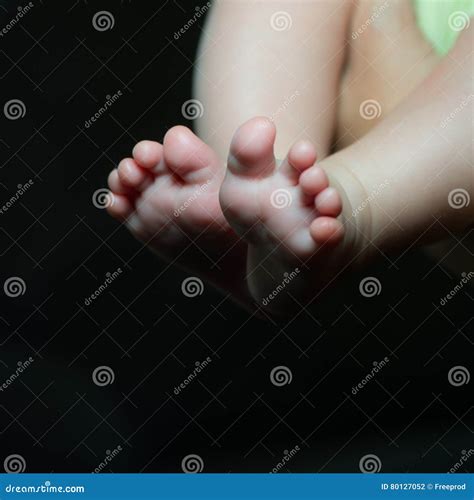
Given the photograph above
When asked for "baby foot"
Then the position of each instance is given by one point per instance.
(167, 196)
(288, 216)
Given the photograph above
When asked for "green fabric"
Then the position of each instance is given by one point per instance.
(441, 20)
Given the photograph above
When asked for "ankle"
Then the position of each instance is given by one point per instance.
(357, 212)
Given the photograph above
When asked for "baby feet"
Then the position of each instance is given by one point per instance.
(286, 213)
(267, 233)
(167, 196)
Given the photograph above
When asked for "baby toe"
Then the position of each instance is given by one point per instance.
(328, 202)
(313, 181)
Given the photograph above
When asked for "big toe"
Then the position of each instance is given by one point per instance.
(251, 151)
(189, 157)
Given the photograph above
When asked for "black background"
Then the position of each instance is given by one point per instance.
(148, 332)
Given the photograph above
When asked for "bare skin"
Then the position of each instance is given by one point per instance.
(388, 189)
